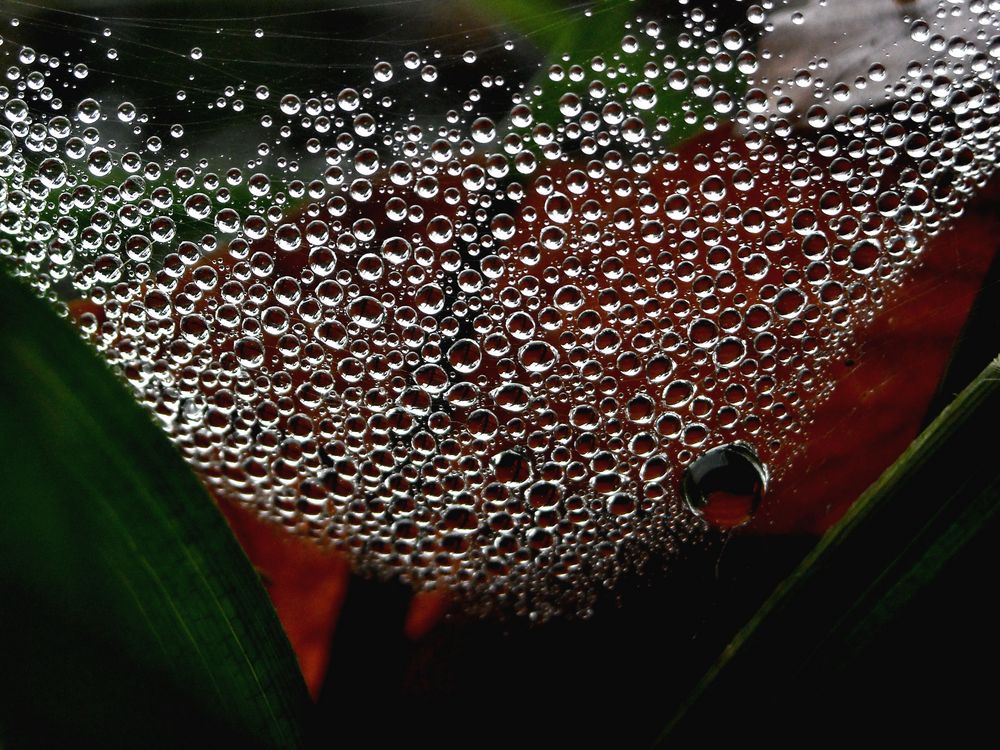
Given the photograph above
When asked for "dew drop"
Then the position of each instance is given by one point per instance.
(725, 485)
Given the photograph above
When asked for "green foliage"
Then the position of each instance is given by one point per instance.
(569, 37)
(875, 581)
(131, 616)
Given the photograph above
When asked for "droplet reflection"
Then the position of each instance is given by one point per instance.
(725, 485)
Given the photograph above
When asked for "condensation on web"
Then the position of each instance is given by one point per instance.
(465, 306)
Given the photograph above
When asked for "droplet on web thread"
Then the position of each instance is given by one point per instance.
(511, 354)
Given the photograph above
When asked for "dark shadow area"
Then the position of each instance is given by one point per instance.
(608, 680)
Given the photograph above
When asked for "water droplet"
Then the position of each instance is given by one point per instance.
(725, 485)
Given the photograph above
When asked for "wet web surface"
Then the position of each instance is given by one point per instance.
(467, 294)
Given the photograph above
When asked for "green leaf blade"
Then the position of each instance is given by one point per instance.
(869, 590)
(130, 610)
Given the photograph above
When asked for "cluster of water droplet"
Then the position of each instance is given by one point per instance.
(479, 353)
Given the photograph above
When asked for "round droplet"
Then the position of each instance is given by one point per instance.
(725, 485)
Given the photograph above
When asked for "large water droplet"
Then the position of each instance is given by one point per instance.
(725, 485)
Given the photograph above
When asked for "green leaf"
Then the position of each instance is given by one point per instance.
(864, 624)
(558, 31)
(547, 24)
(129, 615)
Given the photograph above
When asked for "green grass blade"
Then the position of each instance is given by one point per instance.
(878, 579)
(129, 615)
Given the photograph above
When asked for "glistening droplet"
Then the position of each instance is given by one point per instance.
(725, 485)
